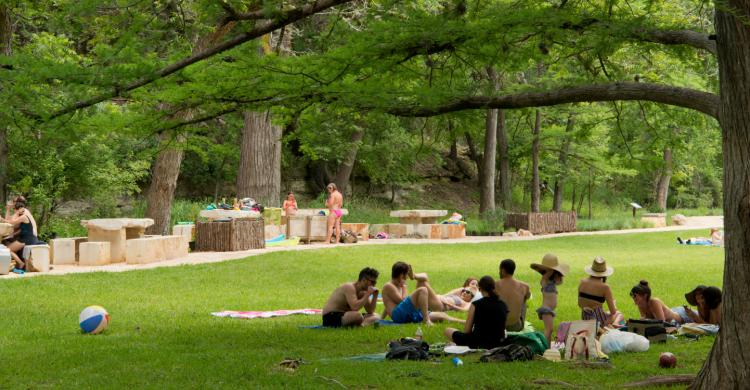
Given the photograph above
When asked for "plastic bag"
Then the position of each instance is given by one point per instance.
(618, 341)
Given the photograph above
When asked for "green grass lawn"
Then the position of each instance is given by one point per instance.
(163, 336)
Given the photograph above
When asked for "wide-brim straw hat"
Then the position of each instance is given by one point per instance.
(599, 268)
(550, 262)
(690, 297)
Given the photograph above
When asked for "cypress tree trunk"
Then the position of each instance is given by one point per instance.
(259, 173)
(166, 168)
(160, 193)
(6, 49)
(504, 172)
(487, 173)
(727, 365)
(662, 186)
(535, 191)
(563, 165)
(344, 172)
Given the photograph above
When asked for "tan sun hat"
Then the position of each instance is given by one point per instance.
(550, 261)
(599, 268)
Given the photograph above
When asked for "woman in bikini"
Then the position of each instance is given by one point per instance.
(650, 307)
(334, 203)
(290, 205)
(552, 275)
(594, 291)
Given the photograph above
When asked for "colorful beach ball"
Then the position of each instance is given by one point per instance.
(93, 319)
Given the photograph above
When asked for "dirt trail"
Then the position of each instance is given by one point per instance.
(693, 223)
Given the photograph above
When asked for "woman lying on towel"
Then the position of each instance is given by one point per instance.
(708, 300)
(651, 307)
(456, 300)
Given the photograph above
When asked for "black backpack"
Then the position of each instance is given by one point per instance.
(407, 349)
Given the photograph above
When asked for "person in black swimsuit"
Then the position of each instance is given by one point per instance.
(485, 323)
(25, 231)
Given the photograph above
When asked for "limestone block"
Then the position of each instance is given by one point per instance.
(145, 250)
(115, 238)
(6, 229)
(432, 231)
(452, 231)
(397, 230)
(63, 251)
(174, 247)
(94, 253)
(186, 231)
(378, 227)
(40, 257)
(362, 230)
(656, 219)
(679, 219)
(79, 241)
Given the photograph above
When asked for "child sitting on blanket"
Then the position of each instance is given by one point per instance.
(552, 275)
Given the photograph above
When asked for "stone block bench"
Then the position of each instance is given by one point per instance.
(431, 231)
(656, 219)
(308, 224)
(415, 217)
(155, 248)
(362, 230)
(94, 253)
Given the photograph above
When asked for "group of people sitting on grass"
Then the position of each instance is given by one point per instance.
(24, 233)
(497, 306)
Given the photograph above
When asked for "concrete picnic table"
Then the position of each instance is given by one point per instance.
(116, 231)
(416, 217)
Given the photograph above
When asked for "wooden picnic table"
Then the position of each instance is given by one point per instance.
(416, 217)
(116, 231)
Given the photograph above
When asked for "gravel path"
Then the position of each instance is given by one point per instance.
(693, 223)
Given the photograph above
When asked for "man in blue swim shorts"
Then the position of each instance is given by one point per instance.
(402, 307)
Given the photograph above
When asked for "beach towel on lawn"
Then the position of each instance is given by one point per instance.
(264, 314)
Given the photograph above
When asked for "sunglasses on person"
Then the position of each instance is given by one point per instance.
(468, 292)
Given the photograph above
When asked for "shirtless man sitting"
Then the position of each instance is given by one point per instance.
(405, 308)
(514, 293)
(342, 308)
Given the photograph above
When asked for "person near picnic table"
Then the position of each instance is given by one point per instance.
(403, 307)
(553, 273)
(485, 323)
(593, 292)
(514, 293)
(343, 307)
(652, 308)
(290, 204)
(334, 203)
(708, 301)
(25, 230)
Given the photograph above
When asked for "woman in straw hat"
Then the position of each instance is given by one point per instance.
(552, 275)
(594, 291)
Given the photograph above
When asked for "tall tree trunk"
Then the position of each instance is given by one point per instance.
(473, 154)
(563, 165)
(164, 174)
(166, 168)
(662, 186)
(6, 49)
(344, 172)
(591, 190)
(573, 200)
(535, 191)
(487, 173)
(727, 364)
(259, 173)
(504, 172)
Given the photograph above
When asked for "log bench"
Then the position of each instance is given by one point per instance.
(542, 223)
(239, 234)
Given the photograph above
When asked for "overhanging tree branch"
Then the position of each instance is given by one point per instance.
(704, 102)
(283, 18)
(679, 37)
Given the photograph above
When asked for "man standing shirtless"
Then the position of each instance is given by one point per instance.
(514, 293)
(342, 308)
(334, 203)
